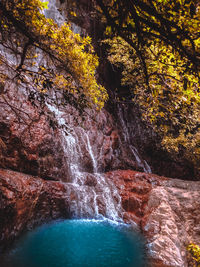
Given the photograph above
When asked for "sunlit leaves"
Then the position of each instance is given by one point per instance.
(172, 103)
(69, 51)
(194, 251)
(158, 54)
(45, 5)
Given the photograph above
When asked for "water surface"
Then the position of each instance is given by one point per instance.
(78, 243)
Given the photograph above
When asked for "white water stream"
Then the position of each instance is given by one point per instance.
(91, 194)
(126, 134)
(97, 197)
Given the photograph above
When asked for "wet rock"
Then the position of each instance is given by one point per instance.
(27, 201)
(114, 139)
(29, 143)
(148, 144)
(166, 210)
(90, 180)
(134, 189)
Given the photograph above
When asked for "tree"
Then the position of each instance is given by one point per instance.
(47, 55)
(156, 46)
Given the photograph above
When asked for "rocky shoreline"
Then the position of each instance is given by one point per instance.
(165, 210)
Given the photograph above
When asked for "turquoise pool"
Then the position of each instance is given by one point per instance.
(78, 243)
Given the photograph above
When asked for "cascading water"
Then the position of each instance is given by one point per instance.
(126, 134)
(98, 197)
(72, 243)
(91, 194)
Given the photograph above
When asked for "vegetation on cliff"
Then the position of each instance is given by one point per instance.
(155, 45)
(194, 251)
(48, 55)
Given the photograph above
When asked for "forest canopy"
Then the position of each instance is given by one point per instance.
(156, 46)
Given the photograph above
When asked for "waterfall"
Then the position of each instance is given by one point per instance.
(126, 134)
(91, 195)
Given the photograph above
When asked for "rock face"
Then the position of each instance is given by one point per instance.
(173, 221)
(27, 142)
(147, 142)
(167, 211)
(140, 134)
(31, 143)
(26, 201)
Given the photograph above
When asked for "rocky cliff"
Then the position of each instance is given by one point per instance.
(55, 164)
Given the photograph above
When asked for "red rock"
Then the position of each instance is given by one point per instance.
(90, 180)
(26, 201)
(166, 210)
(114, 139)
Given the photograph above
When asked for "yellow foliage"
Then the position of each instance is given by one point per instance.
(156, 46)
(195, 253)
(74, 53)
(172, 108)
